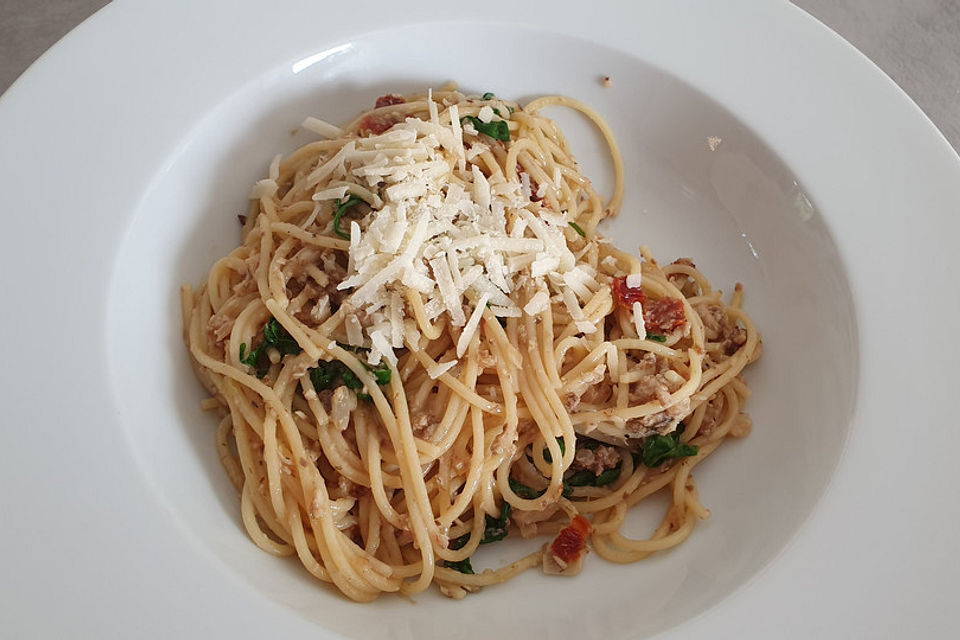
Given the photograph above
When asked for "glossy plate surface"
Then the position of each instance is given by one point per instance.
(126, 160)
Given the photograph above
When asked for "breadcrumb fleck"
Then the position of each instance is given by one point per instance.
(713, 142)
(606, 81)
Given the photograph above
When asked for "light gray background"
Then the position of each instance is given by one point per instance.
(917, 42)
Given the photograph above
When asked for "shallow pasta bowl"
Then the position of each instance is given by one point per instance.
(755, 141)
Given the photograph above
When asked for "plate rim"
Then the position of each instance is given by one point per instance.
(20, 119)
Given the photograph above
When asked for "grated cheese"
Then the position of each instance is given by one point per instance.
(332, 193)
(471, 326)
(486, 114)
(537, 304)
(543, 264)
(448, 292)
(476, 149)
(432, 106)
(354, 330)
(458, 136)
(379, 340)
(396, 320)
(438, 369)
(459, 237)
(638, 320)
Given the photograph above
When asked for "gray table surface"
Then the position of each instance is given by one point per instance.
(916, 42)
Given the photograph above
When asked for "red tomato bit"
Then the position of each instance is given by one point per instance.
(377, 123)
(389, 99)
(626, 296)
(664, 315)
(572, 540)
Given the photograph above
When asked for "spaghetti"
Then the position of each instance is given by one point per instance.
(422, 345)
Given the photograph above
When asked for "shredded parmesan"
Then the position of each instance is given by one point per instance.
(638, 320)
(332, 193)
(432, 106)
(471, 326)
(486, 114)
(463, 239)
(354, 330)
(380, 343)
(537, 304)
(438, 369)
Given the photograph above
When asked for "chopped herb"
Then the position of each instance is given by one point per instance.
(253, 359)
(510, 109)
(350, 379)
(497, 527)
(381, 372)
(546, 452)
(577, 228)
(274, 335)
(364, 396)
(658, 449)
(488, 96)
(588, 443)
(656, 337)
(326, 375)
(582, 478)
(497, 129)
(497, 111)
(608, 476)
(524, 491)
(463, 566)
(527, 493)
(587, 478)
(341, 209)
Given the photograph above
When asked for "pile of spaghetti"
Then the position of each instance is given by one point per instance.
(422, 345)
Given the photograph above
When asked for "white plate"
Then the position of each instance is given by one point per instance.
(129, 148)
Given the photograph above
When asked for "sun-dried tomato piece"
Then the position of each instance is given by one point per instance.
(624, 295)
(377, 123)
(389, 99)
(664, 315)
(572, 540)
